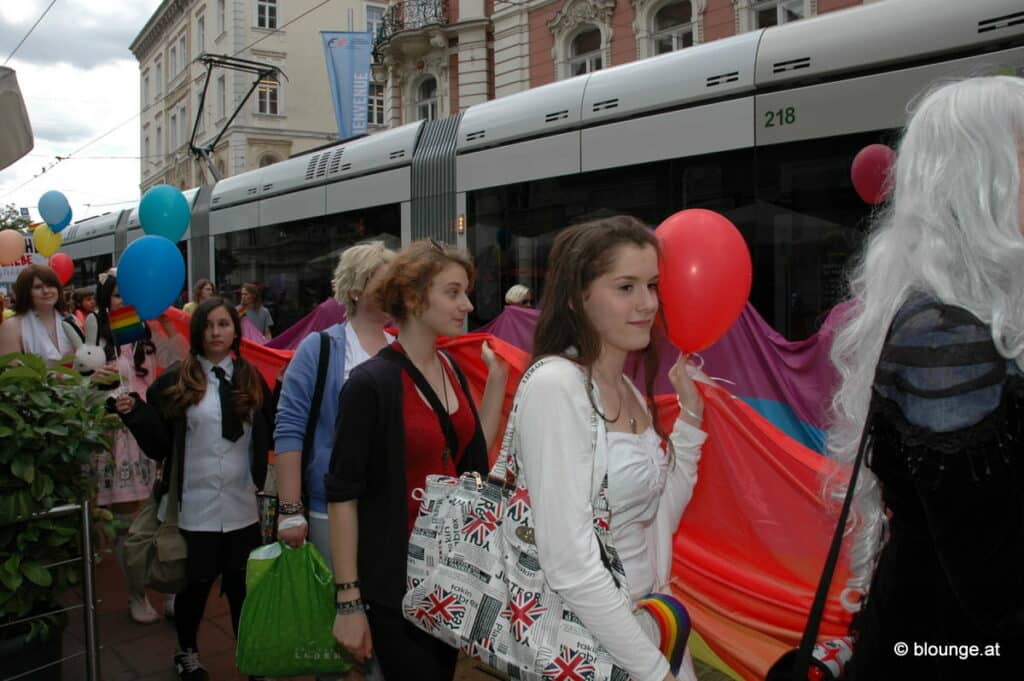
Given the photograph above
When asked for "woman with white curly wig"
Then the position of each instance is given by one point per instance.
(930, 360)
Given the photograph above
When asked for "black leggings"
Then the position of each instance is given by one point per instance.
(190, 604)
(405, 652)
(213, 554)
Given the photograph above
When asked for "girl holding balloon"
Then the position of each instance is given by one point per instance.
(599, 305)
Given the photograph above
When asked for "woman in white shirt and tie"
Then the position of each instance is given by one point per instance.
(599, 304)
(215, 414)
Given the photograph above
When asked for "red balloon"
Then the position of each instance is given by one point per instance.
(870, 172)
(61, 264)
(706, 275)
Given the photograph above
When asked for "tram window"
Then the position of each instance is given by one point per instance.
(809, 221)
(294, 261)
(87, 270)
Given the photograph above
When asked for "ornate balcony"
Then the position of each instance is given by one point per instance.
(410, 29)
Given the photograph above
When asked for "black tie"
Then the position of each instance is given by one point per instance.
(230, 424)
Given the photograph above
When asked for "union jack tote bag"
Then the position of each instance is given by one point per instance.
(474, 580)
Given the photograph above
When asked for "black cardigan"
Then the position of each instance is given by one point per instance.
(368, 464)
(159, 437)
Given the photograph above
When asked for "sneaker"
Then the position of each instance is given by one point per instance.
(142, 612)
(169, 607)
(186, 663)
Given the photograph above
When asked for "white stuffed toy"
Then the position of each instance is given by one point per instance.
(89, 354)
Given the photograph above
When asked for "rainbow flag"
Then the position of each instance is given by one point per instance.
(674, 624)
(126, 326)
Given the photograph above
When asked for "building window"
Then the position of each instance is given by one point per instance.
(374, 18)
(201, 35)
(145, 91)
(673, 28)
(585, 52)
(222, 98)
(267, 160)
(221, 23)
(266, 14)
(426, 99)
(775, 12)
(267, 97)
(159, 145)
(145, 150)
(183, 122)
(172, 63)
(375, 105)
(172, 131)
(182, 52)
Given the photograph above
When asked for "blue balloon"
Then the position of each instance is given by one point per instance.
(150, 275)
(164, 212)
(62, 224)
(53, 207)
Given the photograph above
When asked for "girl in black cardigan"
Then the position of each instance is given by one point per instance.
(215, 414)
(389, 438)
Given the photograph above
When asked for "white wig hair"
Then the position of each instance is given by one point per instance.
(356, 266)
(516, 294)
(951, 229)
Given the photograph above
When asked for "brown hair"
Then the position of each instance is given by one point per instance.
(404, 292)
(254, 291)
(198, 289)
(580, 254)
(23, 287)
(191, 384)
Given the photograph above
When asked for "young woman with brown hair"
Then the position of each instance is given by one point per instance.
(403, 415)
(215, 415)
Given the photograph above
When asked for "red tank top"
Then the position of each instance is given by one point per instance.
(425, 443)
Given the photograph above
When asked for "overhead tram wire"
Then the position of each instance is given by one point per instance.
(22, 42)
(134, 116)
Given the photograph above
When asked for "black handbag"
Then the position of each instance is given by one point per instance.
(824, 661)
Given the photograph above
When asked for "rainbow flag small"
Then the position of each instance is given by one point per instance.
(674, 624)
(126, 325)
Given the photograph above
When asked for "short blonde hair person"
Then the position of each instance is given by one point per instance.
(517, 295)
(355, 267)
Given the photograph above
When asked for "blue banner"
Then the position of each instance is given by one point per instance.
(348, 70)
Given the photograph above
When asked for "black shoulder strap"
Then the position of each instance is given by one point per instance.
(447, 427)
(318, 394)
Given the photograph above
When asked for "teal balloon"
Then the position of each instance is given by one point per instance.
(62, 224)
(150, 275)
(164, 212)
(54, 207)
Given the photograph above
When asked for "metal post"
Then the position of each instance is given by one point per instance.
(92, 650)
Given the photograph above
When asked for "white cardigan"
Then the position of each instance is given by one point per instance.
(563, 476)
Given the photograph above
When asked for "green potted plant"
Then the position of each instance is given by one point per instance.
(51, 422)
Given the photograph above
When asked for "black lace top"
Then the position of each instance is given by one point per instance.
(945, 423)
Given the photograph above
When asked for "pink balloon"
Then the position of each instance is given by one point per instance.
(63, 266)
(705, 276)
(870, 172)
(12, 246)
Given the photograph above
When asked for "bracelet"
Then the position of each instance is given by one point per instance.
(689, 413)
(344, 586)
(293, 508)
(351, 607)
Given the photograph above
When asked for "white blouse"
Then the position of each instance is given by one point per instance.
(646, 493)
(218, 493)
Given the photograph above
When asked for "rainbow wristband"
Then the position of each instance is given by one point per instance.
(673, 624)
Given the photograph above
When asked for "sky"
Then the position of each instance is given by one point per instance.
(79, 81)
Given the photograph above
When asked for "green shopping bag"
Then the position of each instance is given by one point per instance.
(288, 614)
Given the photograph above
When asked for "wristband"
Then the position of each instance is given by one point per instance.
(351, 607)
(344, 586)
(293, 508)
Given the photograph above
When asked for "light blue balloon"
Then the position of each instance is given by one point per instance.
(62, 224)
(164, 212)
(150, 275)
(53, 207)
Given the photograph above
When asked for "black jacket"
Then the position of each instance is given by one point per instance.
(161, 438)
(368, 464)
